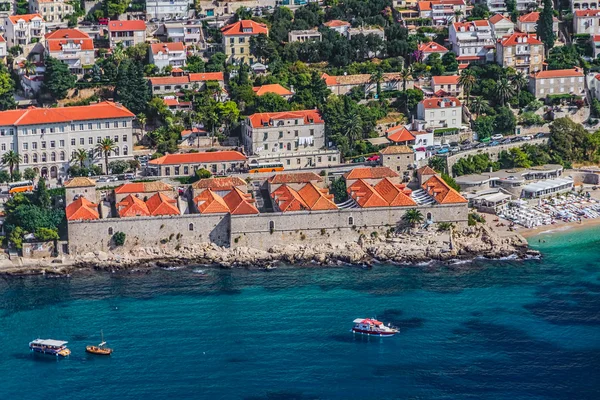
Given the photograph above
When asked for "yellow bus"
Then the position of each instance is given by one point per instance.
(266, 167)
(19, 187)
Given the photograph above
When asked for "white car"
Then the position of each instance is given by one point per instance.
(526, 138)
(497, 137)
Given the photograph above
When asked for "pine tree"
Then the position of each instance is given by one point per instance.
(131, 88)
(544, 25)
(58, 79)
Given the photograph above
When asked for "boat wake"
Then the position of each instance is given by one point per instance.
(173, 268)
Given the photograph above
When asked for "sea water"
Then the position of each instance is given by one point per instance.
(479, 330)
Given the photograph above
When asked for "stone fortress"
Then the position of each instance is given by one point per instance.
(287, 208)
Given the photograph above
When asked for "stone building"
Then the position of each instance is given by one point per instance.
(186, 164)
(295, 180)
(400, 159)
(236, 40)
(501, 25)
(447, 85)
(528, 23)
(561, 81)
(472, 41)
(440, 112)
(142, 190)
(80, 187)
(430, 48)
(521, 51)
(371, 175)
(53, 11)
(339, 26)
(304, 36)
(194, 81)
(586, 21)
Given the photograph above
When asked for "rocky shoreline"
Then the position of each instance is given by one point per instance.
(406, 248)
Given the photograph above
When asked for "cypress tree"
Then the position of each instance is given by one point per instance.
(544, 25)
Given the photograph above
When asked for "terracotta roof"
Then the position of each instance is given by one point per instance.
(432, 47)
(191, 78)
(329, 80)
(206, 76)
(317, 198)
(197, 158)
(245, 27)
(132, 25)
(64, 33)
(494, 19)
(208, 202)
(175, 103)
(399, 134)
(365, 195)
(82, 210)
(80, 181)
(370, 173)
(334, 23)
(395, 195)
(426, 5)
(131, 206)
(260, 120)
(469, 24)
(426, 170)
(596, 38)
(441, 192)
(558, 73)
(160, 204)
(469, 58)
(143, 187)
(445, 80)
(26, 17)
(587, 13)
(512, 40)
(55, 40)
(2, 40)
(187, 132)
(240, 203)
(295, 177)
(274, 88)
(287, 199)
(167, 47)
(40, 116)
(436, 102)
(226, 183)
(396, 150)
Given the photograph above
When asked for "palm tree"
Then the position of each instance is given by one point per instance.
(11, 159)
(479, 105)
(520, 82)
(377, 78)
(118, 54)
(80, 156)
(354, 129)
(438, 163)
(29, 67)
(405, 75)
(413, 217)
(105, 147)
(467, 80)
(503, 91)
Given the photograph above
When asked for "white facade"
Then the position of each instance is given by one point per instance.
(501, 26)
(167, 8)
(22, 30)
(165, 54)
(129, 33)
(472, 39)
(586, 21)
(180, 32)
(445, 112)
(53, 11)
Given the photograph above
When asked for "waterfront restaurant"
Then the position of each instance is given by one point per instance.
(547, 188)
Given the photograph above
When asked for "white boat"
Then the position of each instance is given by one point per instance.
(372, 327)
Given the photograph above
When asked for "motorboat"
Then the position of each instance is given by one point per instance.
(53, 347)
(372, 327)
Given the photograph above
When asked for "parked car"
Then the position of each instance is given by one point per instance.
(430, 148)
(527, 137)
(437, 146)
(445, 146)
(497, 137)
(421, 149)
(506, 141)
(540, 135)
(480, 145)
(453, 144)
(444, 150)
(374, 157)
(129, 176)
(466, 147)
(454, 149)
(465, 142)
(493, 143)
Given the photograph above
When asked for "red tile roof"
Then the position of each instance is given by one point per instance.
(396, 150)
(583, 13)
(132, 206)
(365, 195)
(336, 23)
(399, 134)
(441, 192)
(468, 24)
(143, 187)
(426, 5)
(557, 73)
(208, 202)
(274, 88)
(494, 19)
(121, 26)
(167, 47)
(34, 115)
(191, 78)
(295, 177)
(226, 183)
(259, 120)
(395, 195)
(240, 203)
(329, 80)
(79, 181)
(161, 205)
(512, 40)
(426, 170)
(82, 210)
(317, 198)
(206, 76)
(445, 80)
(55, 40)
(198, 158)
(287, 199)
(26, 17)
(432, 47)
(436, 102)
(187, 132)
(370, 173)
(245, 27)
(2, 40)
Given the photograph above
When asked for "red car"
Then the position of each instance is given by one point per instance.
(374, 157)
(420, 149)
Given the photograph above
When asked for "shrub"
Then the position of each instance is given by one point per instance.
(444, 226)
(474, 218)
(203, 173)
(46, 234)
(119, 238)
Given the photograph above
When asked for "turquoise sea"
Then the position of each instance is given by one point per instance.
(481, 330)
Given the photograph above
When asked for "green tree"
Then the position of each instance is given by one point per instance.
(354, 128)
(228, 113)
(119, 238)
(339, 190)
(138, 52)
(4, 176)
(203, 173)
(15, 237)
(131, 88)
(29, 174)
(12, 160)
(118, 166)
(544, 26)
(58, 80)
(271, 102)
(519, 82)
(413, 217)
(484, 126)
(479, 105)
(438, 163)
(503, 91)
(449, 61)
(80, 156)
(467, 80)
(377, 78)
(41, 195)
(46, 234)
(7, 86)
(505, 121)
(450, 181)
(567, 141)
(134, 165)
(104, 148)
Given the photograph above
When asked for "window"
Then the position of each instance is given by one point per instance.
(98, 125)
(44, 158)
(81, 141)
(350, 221)
(98, 139)
(295, 133)
(89, 126)
(42, 131)
(34, 145)
(110, 231)
(125, 150)
(116, 139)
(53, 156)
(25, 159)
(25, 146)
(81, 127)
(115, 125)
(43, 145)
(52, 144)
(61, 143)
(72, 127)
(298, 161)
(191, 227)
(280, 134)
(35, 158)
(176, 170)
(124, 138)
(72, 142)
(125, 122)
(51, 130)
(62, 156)
(186, 170)
(167, 171)
(107, 125)
(288, 161)
(116, 151)
(271, 226)
(3, 146)
(90, 140)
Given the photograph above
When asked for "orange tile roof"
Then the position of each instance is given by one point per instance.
(436, 102)
(287, 199)
(426, 5)
(197, 158)
(55, 40)
(82, 210)
(365, 195)
(437, 188)
(317, 198)
(295, 177)
(587, 13)
(533, 17)
(329, 80)
(395, 195)
(39, 116)
(445, 80)
(160, 204)
(26, 17)
(245, 27)
(206, 76)
(121, 26)
(396, 150)
(558, 73)
(494, 19)
(336, 23)
(187, 132)
(468, 24)
(131, 206)
(274, 88)
(2, 40)
(167, 47)
(426, 170)
(79, 181)
(259, 120)
(399, 134)
(64, 33)
(511, 40)
(240, 203)
(143, 187)
(191, 78)
(208, 202)
(370, 173)
(432, 47)
(226, 183)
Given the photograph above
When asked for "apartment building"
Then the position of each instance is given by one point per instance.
(236, 40)
(430, 48)
(194, 81)
(22, 30)
(47, 138)
(521, 51)
(472, 41)
(446, 85)
(129, 33)
(501, 26)
(72, 47)
(189, 33)
(594, 40)
(305, 36)
(53, 11)
(294, 138)
(560, 81)
(499, 6)
(339, 26)
(528, 23)
(165, 54)
(167, 8)
(440, 112)
(442, 12)
(586, 21)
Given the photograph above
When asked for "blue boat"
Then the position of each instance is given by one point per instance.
(53, 347)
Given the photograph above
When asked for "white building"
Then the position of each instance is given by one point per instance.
(528, 23)
(339, 26)
(442, 12)
(47, 138)
(501, 26)
(586, 21)
(22, 30)
(179, 32)
(164, 54)
(129, 33)
(53, 11)
(472, 41)
(499, 6)
(167, 8)
(3, 49)
(430, 48)
(304, 35)
(72, 47)
(440, 112)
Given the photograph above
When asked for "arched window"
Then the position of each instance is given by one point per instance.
(25, 158)
(116, 151)
(351, 221)
(44, 157)
(62, 156)
(35, 158)
(191, 227)
(53, 156)
(125, 150)
(428, 216)
(110, 231)
(289, 146)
